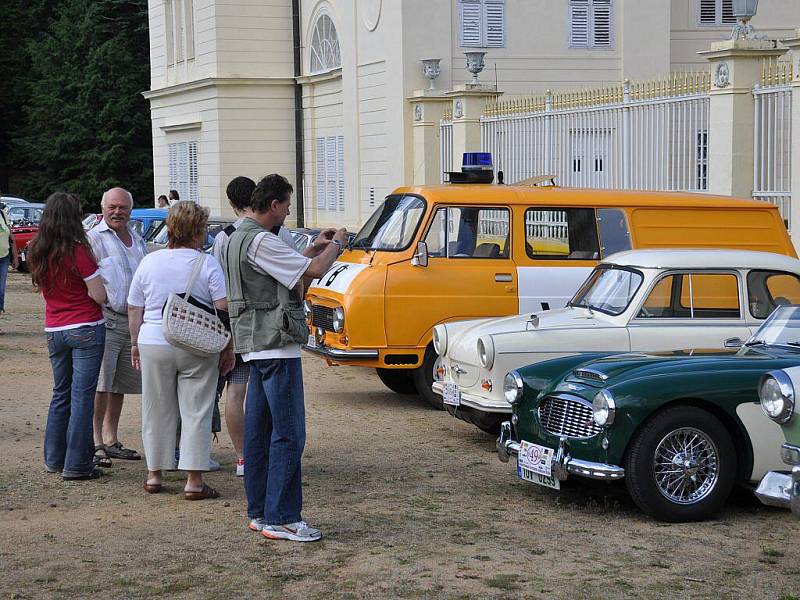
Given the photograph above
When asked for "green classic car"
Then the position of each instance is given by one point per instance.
(682, 428)
(778, 399)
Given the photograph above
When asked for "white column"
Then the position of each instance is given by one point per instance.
(794, 46)
(428, 109)
(469, 103)
(736, 68)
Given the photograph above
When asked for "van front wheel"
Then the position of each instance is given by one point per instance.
(399, 381)
(423, 379)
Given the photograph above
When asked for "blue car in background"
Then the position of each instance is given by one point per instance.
(146, 221)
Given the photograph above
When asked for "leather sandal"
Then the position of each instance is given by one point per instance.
(100, 458)
(152, 488)
(206, 493)
(117, 450)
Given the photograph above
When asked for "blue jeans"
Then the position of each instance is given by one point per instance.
(75, 355)
(4, 262)
(274, 438)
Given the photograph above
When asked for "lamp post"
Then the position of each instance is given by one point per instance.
(744, 10)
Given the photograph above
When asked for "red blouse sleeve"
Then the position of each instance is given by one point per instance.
(84, 261)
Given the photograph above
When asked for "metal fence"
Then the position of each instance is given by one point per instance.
(772, 127)
(446, 143)
(646, 135)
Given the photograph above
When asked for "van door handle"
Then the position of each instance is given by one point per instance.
(503, 277)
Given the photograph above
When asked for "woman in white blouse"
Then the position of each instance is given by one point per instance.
(176, 383)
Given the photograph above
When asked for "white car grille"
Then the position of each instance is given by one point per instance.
(567, 415)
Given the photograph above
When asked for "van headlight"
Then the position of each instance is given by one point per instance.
(512, 388)
(776, 392)
(440, 339)
(338, 319)
(603, 408)
(486, 351)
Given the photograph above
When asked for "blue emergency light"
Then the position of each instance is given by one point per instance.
(477, 161)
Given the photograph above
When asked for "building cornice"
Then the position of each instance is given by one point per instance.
(200, 84)
(320, 77)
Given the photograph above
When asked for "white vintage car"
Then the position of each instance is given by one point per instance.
(642, 300)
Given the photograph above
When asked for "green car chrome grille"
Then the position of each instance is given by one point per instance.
(566, 415)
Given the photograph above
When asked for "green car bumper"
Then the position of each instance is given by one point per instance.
(563, 464)
(783, 489)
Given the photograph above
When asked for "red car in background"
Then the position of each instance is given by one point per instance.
(23, 233)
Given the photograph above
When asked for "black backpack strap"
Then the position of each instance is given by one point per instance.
(229, 230)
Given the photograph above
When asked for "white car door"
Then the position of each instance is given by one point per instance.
(690, 310)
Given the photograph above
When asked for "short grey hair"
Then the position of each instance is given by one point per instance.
(114, 189)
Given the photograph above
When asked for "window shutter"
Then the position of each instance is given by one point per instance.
(470, 12)
(330, 173)
(340, 172)
(727, 13)
(192, 172)
(708, 12)
(579, 24)
(601, 23)
(495, 24)
(173, 166)
(320, 173)
(170, 31)
(189, 21)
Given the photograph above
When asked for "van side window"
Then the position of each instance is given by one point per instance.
(561, 234)
(766, 290)
(614, 233)
(467, 232)
(693, 296)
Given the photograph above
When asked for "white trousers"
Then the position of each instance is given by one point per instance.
(177, 383)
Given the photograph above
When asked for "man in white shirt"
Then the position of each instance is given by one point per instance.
(118, 250)
(264, 276)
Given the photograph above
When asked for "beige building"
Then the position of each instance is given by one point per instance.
(226, 81)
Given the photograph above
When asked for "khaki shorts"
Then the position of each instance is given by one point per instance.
(117, 374)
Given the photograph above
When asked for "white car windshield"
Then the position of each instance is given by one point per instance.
(782, 328)
(608, 289)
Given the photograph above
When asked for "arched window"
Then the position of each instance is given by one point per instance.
(325, 54)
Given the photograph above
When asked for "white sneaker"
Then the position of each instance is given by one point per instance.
(256, 524)
(213, 465)
(296, 532)
(240, 467)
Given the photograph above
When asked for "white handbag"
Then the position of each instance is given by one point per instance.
(190, 327)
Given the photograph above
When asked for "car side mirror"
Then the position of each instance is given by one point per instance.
(420, 259)
(734, 342)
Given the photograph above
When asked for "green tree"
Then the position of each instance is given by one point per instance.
(87, 126)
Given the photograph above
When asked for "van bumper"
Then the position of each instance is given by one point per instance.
(338, 354)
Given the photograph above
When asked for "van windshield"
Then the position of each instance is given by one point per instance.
(392, 226)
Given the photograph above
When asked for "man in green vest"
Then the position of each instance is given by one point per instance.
(265, 294)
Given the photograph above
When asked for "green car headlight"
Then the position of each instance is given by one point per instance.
(512, 388)
(604, 408)
(776, 392)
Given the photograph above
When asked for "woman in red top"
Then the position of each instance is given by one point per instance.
(63, 268)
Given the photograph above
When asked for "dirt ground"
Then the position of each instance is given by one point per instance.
(411, 502)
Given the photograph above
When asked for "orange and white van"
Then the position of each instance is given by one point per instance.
(432, 254)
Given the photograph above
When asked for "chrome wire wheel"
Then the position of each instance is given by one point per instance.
(686, 465)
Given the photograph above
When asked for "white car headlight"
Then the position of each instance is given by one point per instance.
(338, 319)
(486, 351)
(604, 408)
(512, 388)
(440, 339)
(776, 392)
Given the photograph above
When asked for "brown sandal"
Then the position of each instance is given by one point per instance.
(206, 493)
(152, 488)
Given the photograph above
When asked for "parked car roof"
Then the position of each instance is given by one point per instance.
(13, 200)
(690, 258)
(149, 212)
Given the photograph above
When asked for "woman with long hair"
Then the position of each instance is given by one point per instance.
(64, 270)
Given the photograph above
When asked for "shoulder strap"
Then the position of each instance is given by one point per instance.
(198, 264)
(229, 230)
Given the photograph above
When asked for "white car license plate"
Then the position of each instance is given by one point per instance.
(536, 458)
(312, 341)
(451, 394)
(544, 480)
